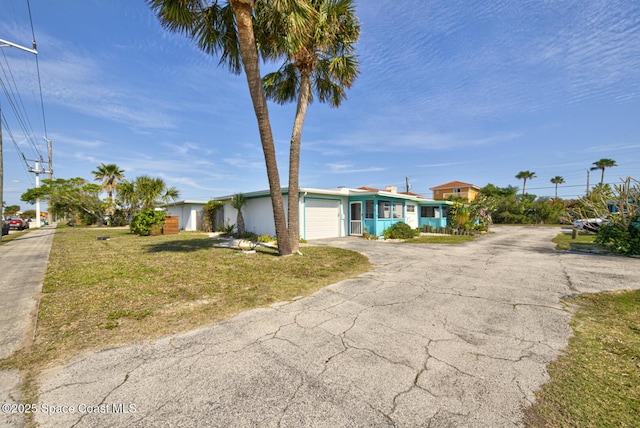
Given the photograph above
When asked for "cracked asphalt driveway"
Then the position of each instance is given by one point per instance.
(433, 336)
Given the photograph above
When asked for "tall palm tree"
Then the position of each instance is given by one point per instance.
(227, 30)
(238, 201)
(110, 175)
(524, 176)
(319, 59)
(557, 180)
(602, 164)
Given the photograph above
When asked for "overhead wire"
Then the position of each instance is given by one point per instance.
(6, 128)
(33, 35)
(15, 101)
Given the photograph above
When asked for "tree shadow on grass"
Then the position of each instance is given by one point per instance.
(181, 246)
(193, 245)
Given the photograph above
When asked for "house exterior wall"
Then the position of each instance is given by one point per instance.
(440, 214)
(377, 224)
(257, 214)
(314, 204)
(190, 215)
(467, 192)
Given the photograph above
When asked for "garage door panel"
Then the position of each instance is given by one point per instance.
(322, 218)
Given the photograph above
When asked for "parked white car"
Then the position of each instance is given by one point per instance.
(589, 224)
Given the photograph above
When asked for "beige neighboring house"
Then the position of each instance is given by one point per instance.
(455, 188)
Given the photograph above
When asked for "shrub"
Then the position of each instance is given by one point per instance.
(88, 219)
(227, 230)
(264, 238)
(619, 240)
(146, 221)
(399, 230)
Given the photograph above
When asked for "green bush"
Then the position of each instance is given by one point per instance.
(618, 239)
(264, 238)
(147, 221)
(88, 219)
(399, 230)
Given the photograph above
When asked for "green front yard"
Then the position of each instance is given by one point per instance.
(100, 293)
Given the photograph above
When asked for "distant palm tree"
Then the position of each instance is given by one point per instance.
(238, 201)
(110, 175)
(602, 164)
(524, 176)
(557, 180)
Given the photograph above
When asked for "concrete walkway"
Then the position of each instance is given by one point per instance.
(23, 264)
(439, 336)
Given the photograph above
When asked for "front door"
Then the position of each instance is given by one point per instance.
(356, 218)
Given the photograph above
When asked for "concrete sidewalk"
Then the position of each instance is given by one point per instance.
(23, 264)
(439, 336)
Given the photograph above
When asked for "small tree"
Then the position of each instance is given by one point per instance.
(211, 210)
(147, 222)
(621, 232)
(238, 201)
(11, 209)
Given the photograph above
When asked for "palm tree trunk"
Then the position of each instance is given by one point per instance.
(242, 10)
(602, 177)
(294, 160)
(240, 223)
(524, 185)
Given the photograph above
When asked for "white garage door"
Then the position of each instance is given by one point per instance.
(322, 218)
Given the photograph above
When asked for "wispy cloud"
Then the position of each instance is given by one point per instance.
(349, 168)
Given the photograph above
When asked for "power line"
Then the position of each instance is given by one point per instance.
(15, 101)
(6, 127)
(33, 35)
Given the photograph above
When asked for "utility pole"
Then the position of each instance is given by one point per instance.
(50, 172)
(588, 172)
(4, 44)
(38, 171)
(407, 185)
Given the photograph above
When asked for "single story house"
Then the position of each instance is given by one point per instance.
(190, 213)
(343, 211)
(455, 188)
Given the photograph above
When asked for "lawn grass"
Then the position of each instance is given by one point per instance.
(442, 239)
(101, 293)
(596, 383)
(10, 237)
(564, 241)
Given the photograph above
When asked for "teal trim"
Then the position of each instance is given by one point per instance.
(304, 210)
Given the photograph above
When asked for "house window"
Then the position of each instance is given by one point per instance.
(384, 209)
(411, 208)
(458, 190)
(368, 209)
(398, 210)
(427, 212)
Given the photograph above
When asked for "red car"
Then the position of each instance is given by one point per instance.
(17, 222)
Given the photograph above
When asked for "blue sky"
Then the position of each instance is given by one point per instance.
(449, 90)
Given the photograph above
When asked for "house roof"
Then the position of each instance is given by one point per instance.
(340, 191)
(454, 184)
(185, 202)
